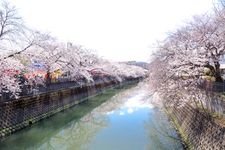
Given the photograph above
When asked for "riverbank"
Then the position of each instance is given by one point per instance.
(197, 124)
(18, 114)
(199, 128)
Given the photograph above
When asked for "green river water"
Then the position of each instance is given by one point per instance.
(118, 119)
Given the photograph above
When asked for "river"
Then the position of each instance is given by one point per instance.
(118, 119)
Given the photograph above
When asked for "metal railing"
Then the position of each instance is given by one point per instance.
(60, 84)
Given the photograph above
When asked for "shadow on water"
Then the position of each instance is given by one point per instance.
(161, 133)
(34, 136)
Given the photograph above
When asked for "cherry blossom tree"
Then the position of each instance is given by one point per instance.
(177, 67)
(11, 25)
(24, 48)
(9, 83)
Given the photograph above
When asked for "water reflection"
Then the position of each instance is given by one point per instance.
(44, 134)
(161, 133)
(123, 120)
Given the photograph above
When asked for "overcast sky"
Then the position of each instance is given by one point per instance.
(117, 29)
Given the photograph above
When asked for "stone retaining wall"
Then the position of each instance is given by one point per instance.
(197, 130)
(20, 113)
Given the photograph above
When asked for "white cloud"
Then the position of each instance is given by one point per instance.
(110, 113)
(137, 102)
(130, 110)
(121, 113)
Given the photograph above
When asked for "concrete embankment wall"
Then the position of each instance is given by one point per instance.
(20, 113)
(197, 130)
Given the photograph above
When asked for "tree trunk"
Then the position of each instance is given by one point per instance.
(217, 72)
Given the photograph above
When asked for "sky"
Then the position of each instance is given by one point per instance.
(119, 30)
